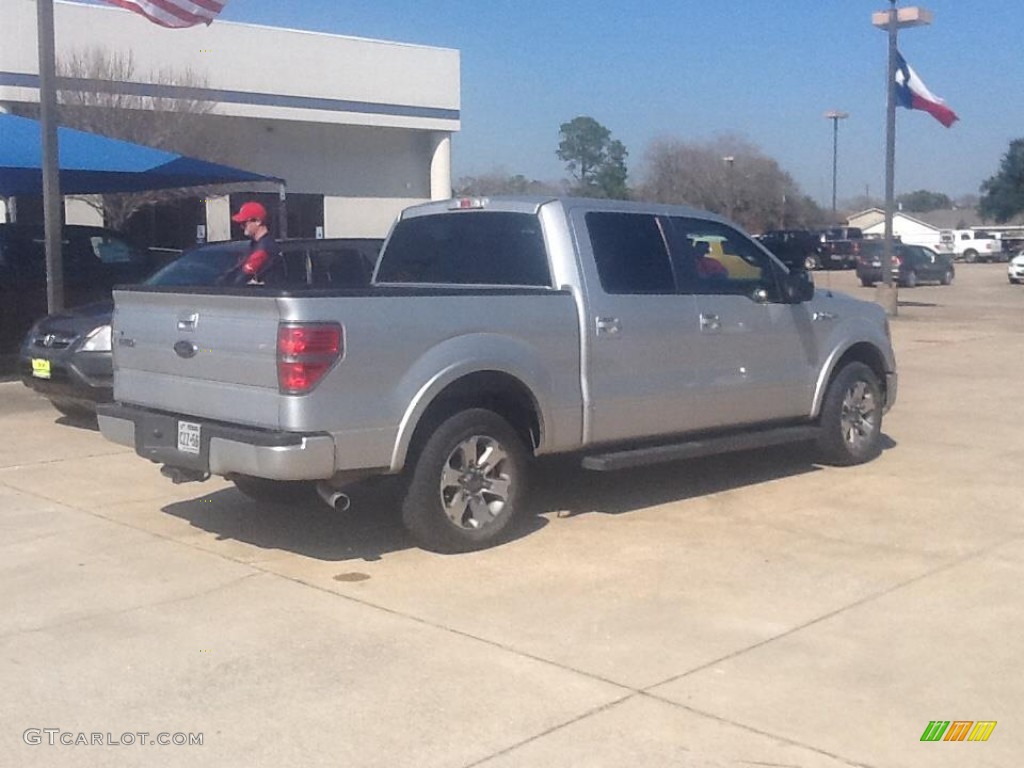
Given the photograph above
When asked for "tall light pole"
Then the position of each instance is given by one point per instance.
(729, 161)
(892, 20)
(835, 116)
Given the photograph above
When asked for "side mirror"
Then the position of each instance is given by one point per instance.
(797, 287)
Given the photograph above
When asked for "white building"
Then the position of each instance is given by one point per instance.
(907, 228)
(362, 125)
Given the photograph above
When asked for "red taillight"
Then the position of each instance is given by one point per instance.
(305, 352)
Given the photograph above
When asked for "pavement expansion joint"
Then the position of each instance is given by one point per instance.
(122, 611)
(759, 732)
(955, 563)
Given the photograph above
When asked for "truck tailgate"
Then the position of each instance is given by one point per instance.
(206, 355)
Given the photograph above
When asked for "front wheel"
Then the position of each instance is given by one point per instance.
(467, 483)
(970, 256)
(851, 417)
(867, 283)
(910, 281)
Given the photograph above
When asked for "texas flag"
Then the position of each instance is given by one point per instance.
(914, 94)
(175, 13)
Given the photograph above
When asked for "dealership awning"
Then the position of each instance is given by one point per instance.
(94, 164)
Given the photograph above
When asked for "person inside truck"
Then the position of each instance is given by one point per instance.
(264, 264)
(707, 267)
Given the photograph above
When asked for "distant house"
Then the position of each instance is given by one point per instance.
(872, 223)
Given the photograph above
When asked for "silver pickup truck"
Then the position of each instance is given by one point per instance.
(495, 332)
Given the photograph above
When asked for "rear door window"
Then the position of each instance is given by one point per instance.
(467, 248)
(339, 267)
(630, 253)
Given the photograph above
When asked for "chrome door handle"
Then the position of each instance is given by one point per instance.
(608, 325)
(823, 316)
(709, 322)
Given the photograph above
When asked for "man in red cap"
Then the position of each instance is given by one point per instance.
(264, 264)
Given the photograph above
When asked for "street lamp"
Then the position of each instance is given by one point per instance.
(729, 161)
(835, 116)
(892, 20)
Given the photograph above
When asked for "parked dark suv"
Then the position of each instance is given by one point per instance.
(95, 260)
(67, 357)
(914, 264)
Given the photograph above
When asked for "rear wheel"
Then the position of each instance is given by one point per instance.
(970, 256)
(947, 277)
(851, 417)
(467, 483)
(910, 280)
(867, 283)
(810, 262)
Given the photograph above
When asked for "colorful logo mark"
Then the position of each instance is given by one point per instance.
(958, 730)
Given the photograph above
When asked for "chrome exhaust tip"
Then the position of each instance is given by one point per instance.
(333, 498)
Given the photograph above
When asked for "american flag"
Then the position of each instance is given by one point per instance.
(175, 13)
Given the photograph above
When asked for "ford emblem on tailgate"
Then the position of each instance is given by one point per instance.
(185, 349)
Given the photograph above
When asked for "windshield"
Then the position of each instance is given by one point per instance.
(199, 267)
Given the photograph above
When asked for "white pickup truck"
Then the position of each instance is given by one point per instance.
(972, 245)
(496, 332)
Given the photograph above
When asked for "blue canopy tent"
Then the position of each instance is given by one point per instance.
(94, 164)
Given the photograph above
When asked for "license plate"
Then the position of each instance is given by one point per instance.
(41, 368)
(189, 437)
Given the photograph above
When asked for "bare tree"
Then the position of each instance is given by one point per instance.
(727, 175)
(501, 182)
(92, 96)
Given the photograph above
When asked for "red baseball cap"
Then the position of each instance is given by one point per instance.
(250, 210)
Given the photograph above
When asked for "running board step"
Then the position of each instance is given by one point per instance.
(740, 441)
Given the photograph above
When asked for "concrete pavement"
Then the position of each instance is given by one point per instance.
(755, 609)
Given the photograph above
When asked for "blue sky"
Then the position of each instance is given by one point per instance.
(761, 69)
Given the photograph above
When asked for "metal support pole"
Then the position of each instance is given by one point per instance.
(835, 160)
(53, 219)
(282, 211)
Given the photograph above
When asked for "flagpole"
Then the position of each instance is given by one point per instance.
(891, 20)
(889, 295)
(53, 220)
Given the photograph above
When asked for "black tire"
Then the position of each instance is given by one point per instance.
(73, 409)
(275, 491)
(947, 277)
(970, 256)
(1014, 281)
(851, 417)
(867, 283)
(811, 262)
(454, 501)
(910, 281)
